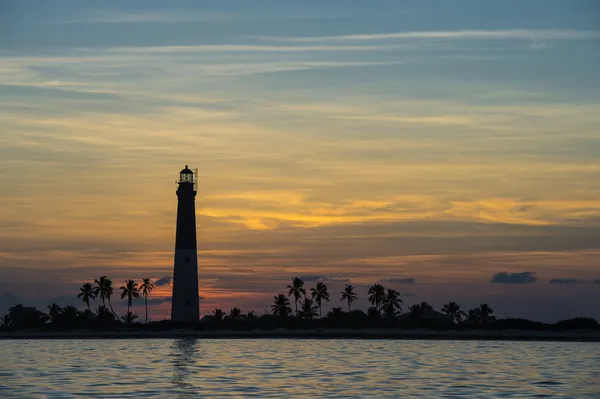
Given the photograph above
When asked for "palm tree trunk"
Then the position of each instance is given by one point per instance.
(296, 304)
(146, 304)
(111, 309)
(320, 315)
(348, 306)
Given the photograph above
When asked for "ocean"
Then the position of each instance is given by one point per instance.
(297, 368)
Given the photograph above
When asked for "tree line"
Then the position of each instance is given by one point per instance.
(102, 290)
(298, 308)
(384, 303)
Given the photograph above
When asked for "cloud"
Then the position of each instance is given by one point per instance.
(337, 279)
(311, 278)
(315, 278)
(163, 281)
(564, 281)
(514, 278)
(525, 34)
(114, 17)
(408, 294)
(401, 280)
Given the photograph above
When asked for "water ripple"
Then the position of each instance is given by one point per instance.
(279, 368)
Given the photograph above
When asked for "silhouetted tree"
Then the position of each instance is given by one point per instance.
(484, 314)
(86, 293)
(373, 313)
(129, 317)
(5, 321)
(391, 302)
(86, 316)
(415, 311)
(335, 314)
(320, 294)
(130, 290)
(308, 309)
(54, 311)
(20, 318)
(376, 295)
(146, 288)
(349, 295)
(235, 314)
(297, 290)
(251, 316)
(453, 310)
(104, 289)
(472, 317)
(425, 306)
(281, 306)
(578, 323)
(218, 314)
(104, 315)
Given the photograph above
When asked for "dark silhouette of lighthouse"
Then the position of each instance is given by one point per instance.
(185, 302)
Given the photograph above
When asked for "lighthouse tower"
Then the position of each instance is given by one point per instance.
(184, 303)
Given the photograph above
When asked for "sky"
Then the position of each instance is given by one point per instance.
(448, 150)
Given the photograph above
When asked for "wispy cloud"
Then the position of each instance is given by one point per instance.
(514, 278)
(565, 281)
(523, 34)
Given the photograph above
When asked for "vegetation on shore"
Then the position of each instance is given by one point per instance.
(385, 312)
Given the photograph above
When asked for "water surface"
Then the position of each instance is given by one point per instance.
(287, 368)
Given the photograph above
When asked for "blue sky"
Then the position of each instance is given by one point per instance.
(443, 142)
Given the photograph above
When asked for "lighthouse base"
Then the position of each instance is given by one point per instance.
(185, 304)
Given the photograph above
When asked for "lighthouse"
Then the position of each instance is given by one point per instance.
(185, 302)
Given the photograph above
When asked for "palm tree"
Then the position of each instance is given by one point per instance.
(376, 295)
(349, 295)
(281, 306)
(105, 290)
(251, 316)
(472, 317)
(103, 315)
(5, 320)
(146, 288)
(426, 306)
(218, 314)
(336, 313)
(235, 314)
(320, 294)
(452, 309)
(129, 317)
(86, 315)
(484, 314)
(415, 311)
(54, 311)
(130, 290)
(308, 310)
(391, 302)
(99, 290)
(296, 289)
(70, 315)
(86, 292)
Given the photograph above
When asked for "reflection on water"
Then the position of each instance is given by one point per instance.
(282, 368)
(184, 353)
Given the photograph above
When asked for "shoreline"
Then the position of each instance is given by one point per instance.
(367, 334)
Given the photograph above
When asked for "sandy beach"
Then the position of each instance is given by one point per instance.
(501, 335)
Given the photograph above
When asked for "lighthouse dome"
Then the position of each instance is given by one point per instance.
(186, 171)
